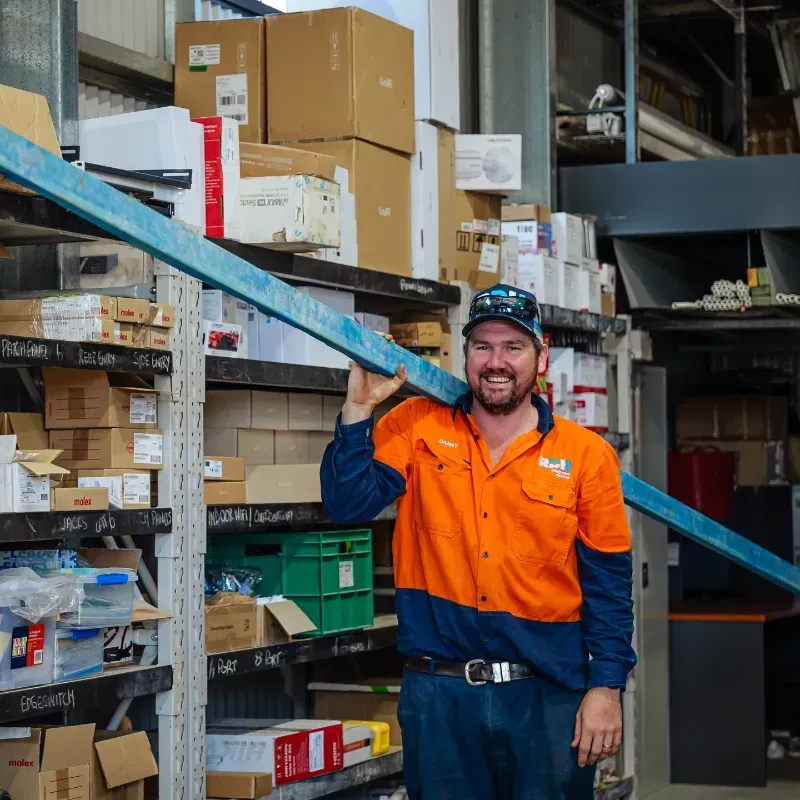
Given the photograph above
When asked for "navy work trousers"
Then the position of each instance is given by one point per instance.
(506, 741)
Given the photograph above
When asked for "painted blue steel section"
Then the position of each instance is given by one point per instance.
(33, 167)
(687, 521)
(132, 222)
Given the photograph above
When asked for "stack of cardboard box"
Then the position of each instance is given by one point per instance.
(577, 385)
(428, 335)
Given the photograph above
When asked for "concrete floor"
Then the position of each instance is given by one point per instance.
(775, 791)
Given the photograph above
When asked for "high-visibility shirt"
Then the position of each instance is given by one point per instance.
(527, 560)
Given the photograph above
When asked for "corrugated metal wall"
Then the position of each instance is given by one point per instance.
(94, 102)
(135, 24)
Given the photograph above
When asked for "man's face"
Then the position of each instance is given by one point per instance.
(502, 366)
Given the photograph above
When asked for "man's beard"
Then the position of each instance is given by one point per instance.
(515, 393)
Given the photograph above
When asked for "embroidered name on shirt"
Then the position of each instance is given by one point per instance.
(448, 444)
(560, 467)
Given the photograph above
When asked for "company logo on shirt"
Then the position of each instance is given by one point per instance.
(560, 467)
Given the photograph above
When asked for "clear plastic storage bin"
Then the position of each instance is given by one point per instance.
(108, 599)
(79, 652)
(28, 649)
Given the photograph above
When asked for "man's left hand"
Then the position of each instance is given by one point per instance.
(598, 726)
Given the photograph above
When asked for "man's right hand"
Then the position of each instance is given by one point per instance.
(366, 390)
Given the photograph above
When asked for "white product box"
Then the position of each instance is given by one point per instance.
(159, 138)
(132, 488)
(300, 348)
(290, 212)
(222, 339)
(436, 49)
(490, 163)
(608, 277)
(253, 322)
(558, 382)
(219, 306)
(527, 231)
(509, 260)
(25, 485)
(590, 410)
(544, 277)
(567, 237)
(347, 252)
(562, 361)
(591, 372)
(587, 290)
(425, 204)
(576, 286)
(375, 322)
(589, 237)
(223, 176)
(270, 339)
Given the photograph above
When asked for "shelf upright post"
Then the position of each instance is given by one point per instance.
(458, 316)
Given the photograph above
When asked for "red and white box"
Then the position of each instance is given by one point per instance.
(223, 177)
(291, 751)
(590, 410)
(590, 373)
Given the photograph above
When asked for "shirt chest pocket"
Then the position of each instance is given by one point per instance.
(546, 523)
(442, 490)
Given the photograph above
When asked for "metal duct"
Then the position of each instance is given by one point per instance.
(663, 127)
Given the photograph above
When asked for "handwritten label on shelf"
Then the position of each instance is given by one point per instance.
(245, 517)
(46, 700)
(32, 527)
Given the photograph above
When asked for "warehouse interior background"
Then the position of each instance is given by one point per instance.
(667, 130)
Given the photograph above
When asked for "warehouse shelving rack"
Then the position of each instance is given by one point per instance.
(181, 523)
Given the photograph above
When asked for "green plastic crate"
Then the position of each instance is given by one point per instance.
(328, 574)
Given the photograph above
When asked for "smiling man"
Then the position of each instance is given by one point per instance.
(512, 568)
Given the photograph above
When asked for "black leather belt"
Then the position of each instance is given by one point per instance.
(476, 672)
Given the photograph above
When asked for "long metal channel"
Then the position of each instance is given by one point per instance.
(631, 28)
(132, 222)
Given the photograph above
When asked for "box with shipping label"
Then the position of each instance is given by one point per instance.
(590, 410)
(568, 241)
(93, 330)
(425, 204)
(108, 448)
(113, 264)
(80, 499)
(77, 398)
(300, 348)
(231, 622)
(224, 493)
(380, 179)
(279, 621)
(490, 163)
(298, 483)
(238, 785)
(477, 237)
(223, 468)
(263, 160)
(290, 752)
(25, 477)
(27, 115)
(305, 412)
(758, 417)
(59, 308)
(220, 72)
(28, 428)
(127, 489)
(291, 447)
(358, 67)
(227, 408)
(290, 212)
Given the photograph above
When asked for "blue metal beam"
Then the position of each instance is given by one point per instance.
(95, 201)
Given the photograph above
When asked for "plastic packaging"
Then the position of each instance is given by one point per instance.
(34, 597)
(79, 652)
(108, 598)
(227, 578)
(27, 649)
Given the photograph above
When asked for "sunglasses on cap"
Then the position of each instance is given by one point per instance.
(523, 308)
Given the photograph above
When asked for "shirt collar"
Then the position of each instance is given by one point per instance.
(546, 421)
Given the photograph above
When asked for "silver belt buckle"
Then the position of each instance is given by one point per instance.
(473, 663)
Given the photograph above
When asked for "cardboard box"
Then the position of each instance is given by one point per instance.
(291, 447)
(331, 408)
(108, 448)
(263, 160)
(28, 428)
(305, 412)
(358, 67)
(590, 410)
(162, 315)
(223, 339)
(418, 334)
(758, 463)
(231, 621)
(489, 163)
(224, 493)
(381, 182)
(290, 751)
(227, 408)
(220, 442)
(127, 489)
(157, 338)
(223, 469)
(757, 417)
(448, 222)
(270, 410)
(568, 243)
(296, 213)
(222, 176)
(590, 372)
(373, 322)
(133, 335)
(59, 308)
(285, 484)
(239, 785)
(279, 622)
(255, 447)
(80, 499)
(77, 398)
(318, 442)
(534, 237)
(113, 264)
(25, 478)
(27, 115)
(131, 310)
(425, 204)
(220, 72)
(509, 260)
(524, 212)
(477, 236)
(300, 348)
(540, 274)
(92, 330)
(374, 700)
(76, 763)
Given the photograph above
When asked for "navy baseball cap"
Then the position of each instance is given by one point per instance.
(506, 304)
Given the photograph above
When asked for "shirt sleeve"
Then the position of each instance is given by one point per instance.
(605, 571)
(365, 467)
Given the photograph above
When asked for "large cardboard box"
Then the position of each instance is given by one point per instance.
(490, 163)
(59, 308)
(68, 499)
(76, 763)
(298, 483)
(220, 442)
(231, 622)
(355, 78)
(28, 428)
(220, 72)
(27, 115)
(108, 448)
(305, 412)
(112, 264)
(381, 182)
(227, 408)
(223, 469)
(79, 398)
(255, 447)
(238, 785)
(224, 493)
(757, 417)
(127, 489)
(477, 235)
(261, 160)
(25, 478)
(92, 330)
(270, 410)
(291, 447)
(222, 173)
(279, 621)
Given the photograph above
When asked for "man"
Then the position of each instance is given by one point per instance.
(512, 568)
